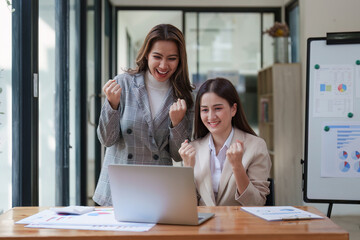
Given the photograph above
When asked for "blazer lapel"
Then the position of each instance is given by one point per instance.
(206, 191)
(227, 170)
(163, 114)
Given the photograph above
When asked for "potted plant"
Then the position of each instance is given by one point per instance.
(280, 33)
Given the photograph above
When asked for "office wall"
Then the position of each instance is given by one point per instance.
(316, 19)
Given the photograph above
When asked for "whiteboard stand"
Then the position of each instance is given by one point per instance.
(331, 165)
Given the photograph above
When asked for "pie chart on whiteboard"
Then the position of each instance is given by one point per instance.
(355, 155)
(357, 167)
(344, 166)
(343, 155)
(342, 88)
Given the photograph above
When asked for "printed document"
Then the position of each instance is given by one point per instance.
(281, 213)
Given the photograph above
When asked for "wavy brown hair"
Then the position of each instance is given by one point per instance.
(182, 87)
(226, 90)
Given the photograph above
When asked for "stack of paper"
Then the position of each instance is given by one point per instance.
(99, 219)
(281, 213)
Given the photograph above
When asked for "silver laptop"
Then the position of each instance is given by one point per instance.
(155, 194)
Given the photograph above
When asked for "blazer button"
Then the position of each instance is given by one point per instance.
(130, 156)
(156, 157)
(129, 131)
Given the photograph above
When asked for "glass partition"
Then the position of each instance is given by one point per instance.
(47, 141)
(5, 106)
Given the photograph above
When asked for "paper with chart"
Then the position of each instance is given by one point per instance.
(340, 149)
(280, 213)
(333, 90)
(100, 219)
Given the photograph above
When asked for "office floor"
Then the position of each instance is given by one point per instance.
(350, 224)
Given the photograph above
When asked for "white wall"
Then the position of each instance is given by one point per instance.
(317, 17)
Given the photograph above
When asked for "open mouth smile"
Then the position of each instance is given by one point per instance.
(161, 72)
(213, 124)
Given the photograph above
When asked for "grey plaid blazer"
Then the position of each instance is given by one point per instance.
(131, 136)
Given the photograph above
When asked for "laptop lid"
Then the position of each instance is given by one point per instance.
(155, 194)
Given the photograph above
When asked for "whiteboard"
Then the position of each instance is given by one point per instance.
(332, 128)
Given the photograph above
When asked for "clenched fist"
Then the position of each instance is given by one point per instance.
(235, 153)
(177, 111)
(187, 153)
(113, 93)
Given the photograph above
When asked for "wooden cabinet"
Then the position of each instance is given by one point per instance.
(280, 125)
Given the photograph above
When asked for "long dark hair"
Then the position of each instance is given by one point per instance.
(182, 87)
(226, 90)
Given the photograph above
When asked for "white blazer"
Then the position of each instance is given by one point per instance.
(257, 164)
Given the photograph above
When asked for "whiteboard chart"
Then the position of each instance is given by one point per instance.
(332, 128)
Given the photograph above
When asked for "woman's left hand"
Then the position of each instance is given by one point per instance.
(235, 153)
(177, 112)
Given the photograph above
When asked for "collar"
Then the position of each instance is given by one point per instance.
(227, 142)
(151, 82)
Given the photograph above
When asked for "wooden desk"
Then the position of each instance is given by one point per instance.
(228, 223)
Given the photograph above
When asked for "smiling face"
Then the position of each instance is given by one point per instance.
(216, 114)
(163, 60)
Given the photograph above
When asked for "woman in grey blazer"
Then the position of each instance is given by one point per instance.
(146, 115)
(231, 164)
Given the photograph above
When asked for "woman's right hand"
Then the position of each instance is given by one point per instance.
(187, 153)
(113, 93)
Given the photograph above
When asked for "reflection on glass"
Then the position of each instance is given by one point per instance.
(47, 142)
(5, 107)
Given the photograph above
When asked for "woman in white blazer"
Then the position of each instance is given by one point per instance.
(145, 116)
(231, 164)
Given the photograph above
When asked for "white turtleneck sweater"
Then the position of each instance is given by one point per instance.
(156, 91)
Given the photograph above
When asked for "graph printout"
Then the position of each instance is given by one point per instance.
(275, 213)
(99, 219)
(333, 90)
(340, 150)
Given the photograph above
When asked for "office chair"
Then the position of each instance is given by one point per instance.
(270, 199)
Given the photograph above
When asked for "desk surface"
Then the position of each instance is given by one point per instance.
(228, 223)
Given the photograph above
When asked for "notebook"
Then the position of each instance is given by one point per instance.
(155, 194)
